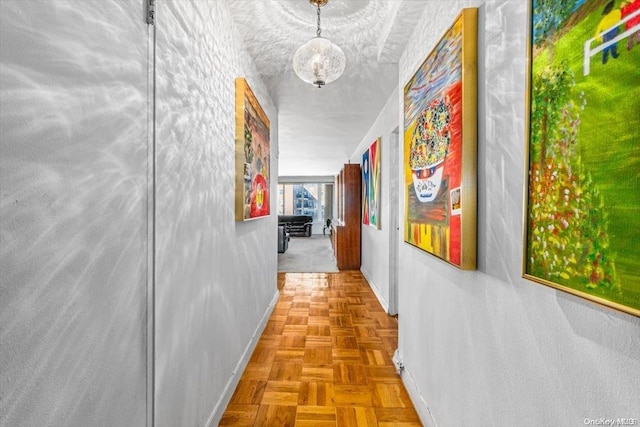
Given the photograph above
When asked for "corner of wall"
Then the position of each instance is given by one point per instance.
(375, 288)
(418, 400)
(225, 398)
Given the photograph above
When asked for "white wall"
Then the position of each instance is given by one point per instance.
(73, 213)
(375, 242)
(215, 278)
(78, 224)
(486, 347)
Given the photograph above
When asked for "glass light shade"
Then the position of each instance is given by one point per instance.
(319, 61)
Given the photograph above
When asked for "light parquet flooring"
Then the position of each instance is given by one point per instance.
(324, 359)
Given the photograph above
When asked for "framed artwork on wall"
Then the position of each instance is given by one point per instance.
(252, 155)
(582, 198)
(371, 185)
(440, 143)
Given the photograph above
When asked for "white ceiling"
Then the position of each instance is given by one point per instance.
(319, 129)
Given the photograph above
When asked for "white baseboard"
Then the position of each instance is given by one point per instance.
(383, 302)
(218, 410)
(418, 401)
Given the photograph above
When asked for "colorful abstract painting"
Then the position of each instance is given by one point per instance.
(365, 168)
(371, 185)
(583, 195)
(440, 132)
(252, 155)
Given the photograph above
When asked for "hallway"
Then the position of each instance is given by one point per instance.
(131, 295)
(324, 359)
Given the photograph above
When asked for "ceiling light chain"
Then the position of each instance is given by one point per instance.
(319, 61)
(319, 32)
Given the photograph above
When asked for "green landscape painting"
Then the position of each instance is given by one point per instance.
(583, 194)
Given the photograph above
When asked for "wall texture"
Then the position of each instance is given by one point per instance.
(376, 242)
(73, 213)
(487, 347)
(215, 278)
(80, 215)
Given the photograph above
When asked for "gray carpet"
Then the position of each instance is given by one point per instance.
(308, 255)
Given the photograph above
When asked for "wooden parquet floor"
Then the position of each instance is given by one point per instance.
(324, 359)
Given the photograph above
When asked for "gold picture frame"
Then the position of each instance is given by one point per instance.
(253, 156)
(582, 198)
(440, 147)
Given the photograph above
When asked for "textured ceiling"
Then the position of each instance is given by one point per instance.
(319, 129)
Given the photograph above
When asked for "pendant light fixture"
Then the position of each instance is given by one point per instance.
(319, 61)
